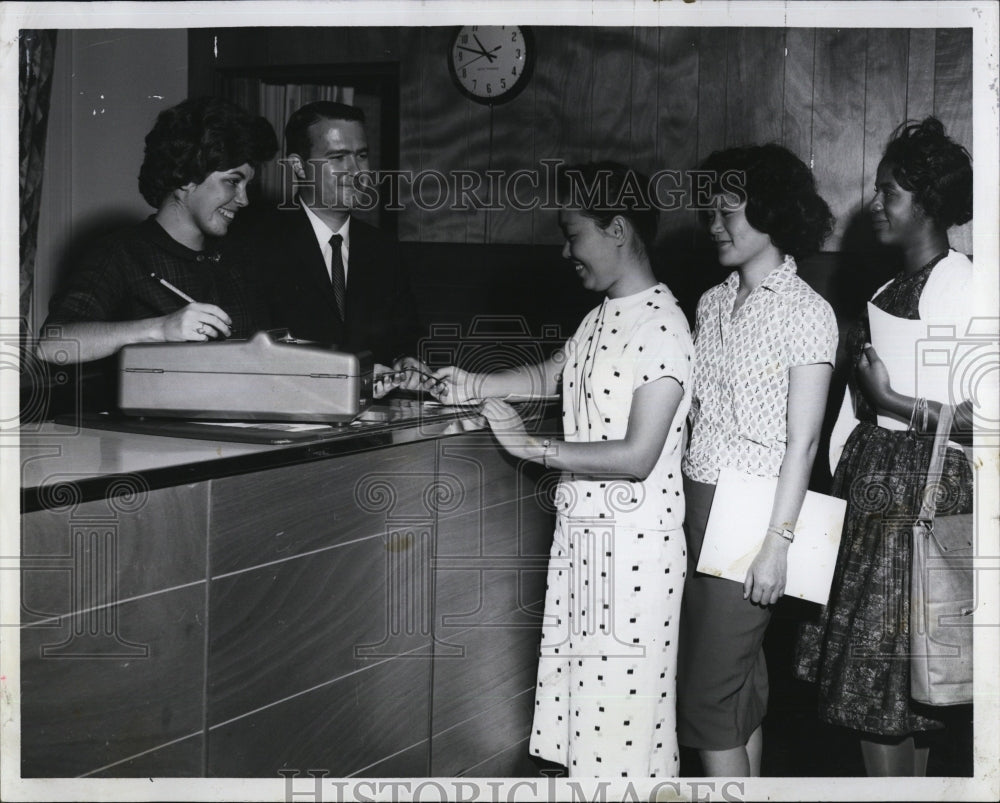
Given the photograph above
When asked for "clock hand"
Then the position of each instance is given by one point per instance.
(483, 48)
(472, 50)
(480, 56)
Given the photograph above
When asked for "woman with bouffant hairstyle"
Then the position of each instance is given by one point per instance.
(765, 344)
(858, 651)
(200, 156)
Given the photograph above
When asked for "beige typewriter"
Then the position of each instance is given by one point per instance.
(269, 377)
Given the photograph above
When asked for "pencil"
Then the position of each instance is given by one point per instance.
(176, 291)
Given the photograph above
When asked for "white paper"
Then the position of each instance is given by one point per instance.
(737, 526)
(919, 355)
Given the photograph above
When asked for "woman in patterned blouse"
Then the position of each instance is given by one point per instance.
(765, 344)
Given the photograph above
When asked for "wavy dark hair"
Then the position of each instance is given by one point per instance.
(780, 193)
(935, 168)
(197, 137)
(297, 128)
(602, 190)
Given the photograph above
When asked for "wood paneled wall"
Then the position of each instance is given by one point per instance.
(653, 97)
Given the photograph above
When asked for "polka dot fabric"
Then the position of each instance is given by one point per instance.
(605, 701)
(738, 416)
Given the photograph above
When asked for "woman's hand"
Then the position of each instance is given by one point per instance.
(385, 380)
(415, 375)
(873, 377)
(765, 580)
(507, 427)
(196, 321)
(453, 385)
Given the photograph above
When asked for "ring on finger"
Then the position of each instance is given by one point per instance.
(201, 329)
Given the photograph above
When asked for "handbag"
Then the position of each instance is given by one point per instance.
(941, 593)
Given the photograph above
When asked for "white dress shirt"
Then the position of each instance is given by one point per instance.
(323, 234)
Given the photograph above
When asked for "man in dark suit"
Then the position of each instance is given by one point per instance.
(334, 278)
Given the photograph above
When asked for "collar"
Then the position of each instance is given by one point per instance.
(324, 232)
(779, 280)
(635, 299)
(157, 235)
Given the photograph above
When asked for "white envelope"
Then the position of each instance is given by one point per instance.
(738, 522)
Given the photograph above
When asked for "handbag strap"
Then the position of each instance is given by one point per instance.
(936, 466)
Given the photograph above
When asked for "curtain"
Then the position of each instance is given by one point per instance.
(36, 58)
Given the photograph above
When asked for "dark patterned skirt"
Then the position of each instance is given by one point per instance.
(858, 649)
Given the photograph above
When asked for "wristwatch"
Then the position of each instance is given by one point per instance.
(788, 535)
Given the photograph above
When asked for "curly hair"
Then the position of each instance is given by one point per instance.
(935, 168)
(297, 128)
(602, 190)
(780, 193)
(197, 137)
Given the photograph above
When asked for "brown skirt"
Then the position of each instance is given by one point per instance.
(721, 673)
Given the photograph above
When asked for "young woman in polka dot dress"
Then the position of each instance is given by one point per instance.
(765, 344)
(604, 701)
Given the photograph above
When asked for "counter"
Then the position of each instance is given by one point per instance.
(367, 603)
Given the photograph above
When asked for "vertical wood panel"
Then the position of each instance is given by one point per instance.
(644, 99)
(677, 116)
(838, 130)
(920, 75)
(885, 96)
(563, 104)
(611, 90)
(514, 149)
(712, 90)
(755, 71)
(411, 44)
(797, 109)
(953, 102)
(478, 158)
(445, 119)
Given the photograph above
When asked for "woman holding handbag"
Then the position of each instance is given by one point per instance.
(765, 344)
(859, 650)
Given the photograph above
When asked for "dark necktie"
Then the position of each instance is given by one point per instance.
(337, 274)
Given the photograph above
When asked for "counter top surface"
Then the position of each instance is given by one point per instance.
(93, 460)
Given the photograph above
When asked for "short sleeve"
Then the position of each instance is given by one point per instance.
(662, 349)
(813, 333)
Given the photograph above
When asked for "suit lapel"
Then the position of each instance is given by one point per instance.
(307, 254)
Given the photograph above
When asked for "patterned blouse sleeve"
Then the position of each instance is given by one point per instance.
(663, 349)
(813, 334)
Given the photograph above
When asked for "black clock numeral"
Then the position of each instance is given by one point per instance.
(518, 52)
(513, 36)
(465, 73)
(473, 83)
(513, 71)
(489, 89)
(503, 83)
(465, 39)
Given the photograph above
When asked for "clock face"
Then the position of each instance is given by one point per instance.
(491, 63)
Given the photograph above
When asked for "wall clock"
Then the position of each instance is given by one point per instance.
(491, 63)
